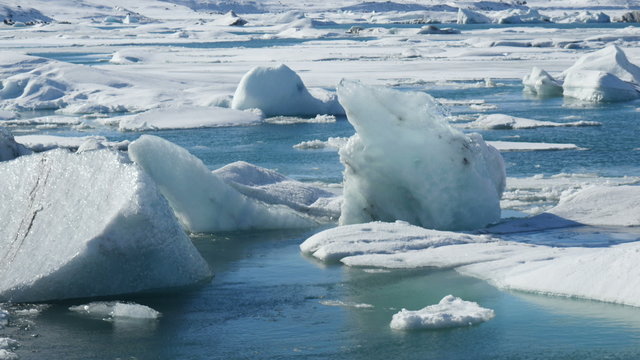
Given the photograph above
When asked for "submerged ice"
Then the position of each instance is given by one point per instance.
(405, 162)
(97, 225)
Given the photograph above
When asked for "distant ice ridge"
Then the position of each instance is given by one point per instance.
(202, 200)
(97, 225)
(605, 75)
(405, 162)
(606, 273)
(450, 312)
(9, 148)
(279, 91)
(116, 310)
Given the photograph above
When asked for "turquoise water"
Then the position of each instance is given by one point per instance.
(265, 301)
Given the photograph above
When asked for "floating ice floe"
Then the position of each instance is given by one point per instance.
(432, 29)
(584, 17)
(273, 188)
(230, 19)
(187, 117)
(97, 225)
(22, 15)
(540, 83)
(9, 148)
(280, 91)
(406, 162)
(380, 237)
(598, 86)
(506, 122)
(450, 312)
(116, 310)
(531, 146)
(520, 16)
(202, 200)
(332, 143)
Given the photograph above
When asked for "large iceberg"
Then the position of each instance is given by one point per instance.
(406, 162)
(97, 226)
(280, 91)
(202, 200)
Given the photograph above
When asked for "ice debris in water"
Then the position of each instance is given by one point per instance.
(450, 312)
(116, 310)
(406, 162)
(540, 83)
(97, 225)
(280, 91)
(201, 200)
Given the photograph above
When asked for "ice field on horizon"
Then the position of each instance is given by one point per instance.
(231, 178)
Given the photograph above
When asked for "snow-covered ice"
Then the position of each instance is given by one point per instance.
(280, 91)
(541, 83)
(202, 200)
(531, 146)
(436, 176)
(450, 312)
(111, 230)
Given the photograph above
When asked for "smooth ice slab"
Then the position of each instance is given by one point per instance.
(450, 312)
(115, 310)
(201, 200)
(187, 118)
(507, 122)
(97, 226)
(280, 91)
(406, 162)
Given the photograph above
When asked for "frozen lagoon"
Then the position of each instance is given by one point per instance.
(267, 300)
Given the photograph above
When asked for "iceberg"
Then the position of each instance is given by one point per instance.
(202, 200)
(450, 312)
(115, 310)
(598, 86)
(280, 91)
(406, 162)
(540, 83)
(97, 225)
(9, 148)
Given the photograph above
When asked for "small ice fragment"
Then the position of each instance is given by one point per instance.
(450, 312)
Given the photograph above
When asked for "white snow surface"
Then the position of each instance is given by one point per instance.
(435, 176)
(9, 148)
(280, 91)
(202, 200)
(450, 312)
(507, 122)
(97, 225)
(115, 310)
(187, 118)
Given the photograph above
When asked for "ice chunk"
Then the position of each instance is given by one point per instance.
(41, 143)
(202, 201)
(506, 122)
(583, 17)
(520, 16)
(598, 86)
(187, 117)
(406, 162)
(9, 148)
(97, 225)
(280, 91)
(379, 238)
(539, 82)
(610, 59)
(334, 143)
(432, 29)
(230, 19)
(271, 187)
(466, 16)
(450, 312)
(116, 310)
(531, 146)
